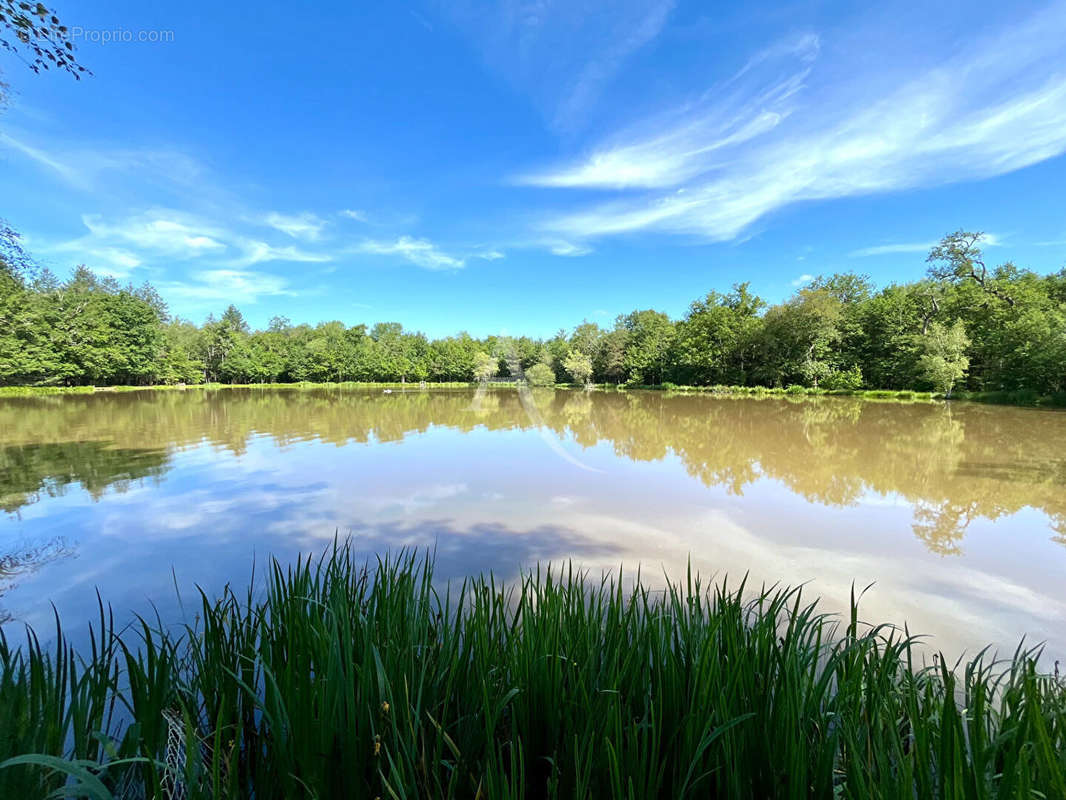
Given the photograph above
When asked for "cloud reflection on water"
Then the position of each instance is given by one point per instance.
(952, 512)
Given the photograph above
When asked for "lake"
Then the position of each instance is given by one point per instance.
(955, 513)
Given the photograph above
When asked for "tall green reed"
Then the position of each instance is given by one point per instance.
(346, 679)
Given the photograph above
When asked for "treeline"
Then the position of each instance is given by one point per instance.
(965, 325)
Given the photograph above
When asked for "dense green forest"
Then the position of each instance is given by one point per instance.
(965, 325)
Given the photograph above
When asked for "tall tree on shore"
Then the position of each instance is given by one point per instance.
(15, 262)
(649, 336)
(958, 258)
(485, 366)
(579, 365)
(944, 361)
(715, 340)
(610, 358)
(800, 337)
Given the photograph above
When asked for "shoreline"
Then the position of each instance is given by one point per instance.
(1021, 399)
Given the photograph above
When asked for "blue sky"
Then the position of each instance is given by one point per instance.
(518, 167)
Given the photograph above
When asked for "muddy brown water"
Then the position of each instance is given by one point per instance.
(955, 513)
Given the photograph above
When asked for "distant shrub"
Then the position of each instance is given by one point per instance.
(1023, 397)
(844, 379)
(540, 375)
(795, 388)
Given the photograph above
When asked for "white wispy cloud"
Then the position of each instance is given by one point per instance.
(421, 20)
(227, 285)
(112, 261)
(674, 147)
(562, 55)
(568, 249)
(421, 252)
(157, 237)
(802, 280)
(804, 46)
(987, 240)
(255, 251)
(354, 213)
(299, 226)
(889, 249)
(164, 232)
(68, 172)
(763, 140)
(82, 167)
(602, 65)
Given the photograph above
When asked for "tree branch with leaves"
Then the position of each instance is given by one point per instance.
(35, 34)
(959, 258)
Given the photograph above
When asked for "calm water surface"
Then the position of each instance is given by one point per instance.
(957, 514)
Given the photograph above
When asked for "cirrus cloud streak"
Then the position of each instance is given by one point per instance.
(765, 139)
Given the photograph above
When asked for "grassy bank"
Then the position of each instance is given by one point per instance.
(42, 391)
(790, 391)
(1015, 398)
(339, 680)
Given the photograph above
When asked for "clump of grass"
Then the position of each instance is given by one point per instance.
(356, 680)
(42, 391)
(1017, 397)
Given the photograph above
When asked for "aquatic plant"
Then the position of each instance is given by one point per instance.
(345, 679)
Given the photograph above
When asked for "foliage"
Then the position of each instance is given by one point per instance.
(86, 330)
(35, 28)
(958, 258)
(579, 365)
(844, 379)
(485, 366)
(799, 338)
(648, 338)
(15, 262)
(715, 342)
(944, 360)
(837, 333)
(352, 680)
(540, 374)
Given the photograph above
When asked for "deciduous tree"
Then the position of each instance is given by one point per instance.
(944, 360)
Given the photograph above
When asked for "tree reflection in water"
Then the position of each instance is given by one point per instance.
(951, 465)
(26, 559)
